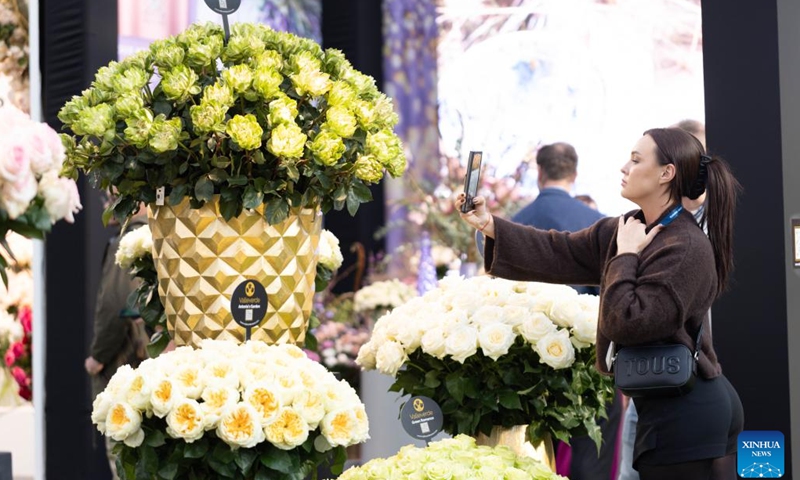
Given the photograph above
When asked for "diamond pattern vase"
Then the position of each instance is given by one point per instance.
(201, 258)
(516, 439)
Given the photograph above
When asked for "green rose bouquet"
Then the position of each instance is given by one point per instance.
(453, 459)
(266, 119)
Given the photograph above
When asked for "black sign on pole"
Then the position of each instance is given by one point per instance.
(249, 305)
(422, 418)
(224, 8)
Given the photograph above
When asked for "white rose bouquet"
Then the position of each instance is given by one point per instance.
(494, 352)
(32, 194)
(233, 411)
(384, 295)
(458, 458)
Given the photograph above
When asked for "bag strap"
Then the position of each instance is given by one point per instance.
(697, 342)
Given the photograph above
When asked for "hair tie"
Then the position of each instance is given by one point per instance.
(702, 177)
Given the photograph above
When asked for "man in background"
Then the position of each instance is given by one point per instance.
(555, 209)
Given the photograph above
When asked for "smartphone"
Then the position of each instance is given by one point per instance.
(472, 180)
(671, 216)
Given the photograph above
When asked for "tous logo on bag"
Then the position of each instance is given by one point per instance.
(656, 365)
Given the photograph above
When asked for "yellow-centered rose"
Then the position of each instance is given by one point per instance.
(287, 430)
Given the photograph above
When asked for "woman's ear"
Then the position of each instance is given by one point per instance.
(667, 173)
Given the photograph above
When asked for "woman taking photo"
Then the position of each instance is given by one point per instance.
(657, 284)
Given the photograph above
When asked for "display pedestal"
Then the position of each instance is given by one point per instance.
(17, 425)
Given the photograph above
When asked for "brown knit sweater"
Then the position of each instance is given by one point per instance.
(660, 295)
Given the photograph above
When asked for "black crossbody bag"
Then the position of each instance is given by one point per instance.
(656, 370)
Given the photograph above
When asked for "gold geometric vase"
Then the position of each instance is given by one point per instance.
(516, 438)
(201, 258)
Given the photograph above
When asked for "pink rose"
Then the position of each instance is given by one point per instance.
(39, 142)
(17, 349)
(16, 197)
(25, 318)
(15, 158)
(61, 197)
(11, 118)
(10, 358)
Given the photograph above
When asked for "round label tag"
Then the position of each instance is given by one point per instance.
(249, 303)
(224, 7)
(421, 417)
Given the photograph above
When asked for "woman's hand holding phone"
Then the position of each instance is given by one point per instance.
(478, 218)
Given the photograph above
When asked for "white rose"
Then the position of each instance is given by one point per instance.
(122, 421)
(390, 358)
(42, 141)
(100, 407)
(535, 327)
(186, 421)
(16, 197)
(15, 159)
(135, 440)
(461, 342)
(61, 197)
(564, 310)
(468, 301)
(265, 399)
(187, 379)
(138, 391)
(329, 252)
(409, 335)
(163, 396)
(366, 355)
(220, 372)
(240, 426)
(496, 339)
(556, 350)
(585, 327)
(433, 342)
(487, 315)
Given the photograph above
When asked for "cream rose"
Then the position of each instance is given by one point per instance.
(287, 430)
(339, 427)
(556, 350)
(122, 421)
(61, 197)
(433, 341)
(495, 339)
(390, 358)
(186, 421)
(461, 343)
(536, 326)
(240, 426)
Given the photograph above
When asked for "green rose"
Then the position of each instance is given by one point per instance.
(104, 77)
(313, 82)
(241, 47)
(438, 470)
(204, 54)
(287, 141)
(95, 96)
(383, 145)
(364, 84)
(304, 61)
(69, 112)
(140, 59)
(167, 54)
(282, 110)
(180, 84)
(366, 114)
(131, 80)
(138, 128)
(327, 148)
(219, 94)
(267, 82)
(245, 131)
(267, 59)
(341, 121)
(128, 104)
(239, 77)
(341, 94)
(208, 117)
(335, 62)
(511, 473)
(165, 134)
(369, 169)
(95, 120)
(384, 111)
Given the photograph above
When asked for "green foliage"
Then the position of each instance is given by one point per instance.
(514, 390)
(164, 458)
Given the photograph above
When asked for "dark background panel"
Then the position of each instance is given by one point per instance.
(354, 27)
(77, 37)
(743, 121)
